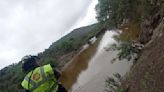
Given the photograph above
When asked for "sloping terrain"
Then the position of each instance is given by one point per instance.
(59, 53)
(147, 73)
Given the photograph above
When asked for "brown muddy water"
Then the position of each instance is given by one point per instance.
(89, 69)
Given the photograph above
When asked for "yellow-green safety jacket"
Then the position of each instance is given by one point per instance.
(42, 80)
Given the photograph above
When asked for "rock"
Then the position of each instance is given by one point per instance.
(124, 22)
(158, 32)
(146, 32)
(148, 26)
(92, 40)
(138, 46)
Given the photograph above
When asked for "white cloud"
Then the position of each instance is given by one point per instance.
(89, 17)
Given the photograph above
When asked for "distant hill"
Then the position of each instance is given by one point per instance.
(12, 75)
(68, 44)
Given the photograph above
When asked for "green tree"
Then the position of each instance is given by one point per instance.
(66, 46)
(116, 10)
(103, 10)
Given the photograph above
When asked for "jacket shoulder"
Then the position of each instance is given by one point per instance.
(48, 69)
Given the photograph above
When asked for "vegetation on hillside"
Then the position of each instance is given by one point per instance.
(109, 13)
(145, 14)
(115, 11)
(130, 16)
(11, 76)
(69, 43)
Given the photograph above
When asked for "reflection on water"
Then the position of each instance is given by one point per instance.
(88, 70)
(78, 64)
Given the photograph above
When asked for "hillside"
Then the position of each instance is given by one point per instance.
(142, 21)
(59, 53)
(147, 73)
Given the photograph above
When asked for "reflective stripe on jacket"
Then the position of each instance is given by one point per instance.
(42, 80)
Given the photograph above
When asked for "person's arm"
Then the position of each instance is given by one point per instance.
(26, 91)
(57, 73)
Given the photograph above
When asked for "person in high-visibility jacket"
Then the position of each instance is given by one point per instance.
(40, 78)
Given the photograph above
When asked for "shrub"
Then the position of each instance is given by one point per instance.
(113, 84)
(126, 51)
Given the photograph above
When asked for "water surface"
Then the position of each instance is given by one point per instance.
(88, 70)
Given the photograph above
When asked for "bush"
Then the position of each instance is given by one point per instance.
(113, 84)
(116, 10)
(126, 51)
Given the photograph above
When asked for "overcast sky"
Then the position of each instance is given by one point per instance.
(30, 26)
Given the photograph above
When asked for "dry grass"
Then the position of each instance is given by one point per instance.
(130, 32)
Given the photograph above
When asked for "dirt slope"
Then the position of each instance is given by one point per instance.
(147, 74)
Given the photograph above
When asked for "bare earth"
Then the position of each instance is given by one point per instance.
(147, 75)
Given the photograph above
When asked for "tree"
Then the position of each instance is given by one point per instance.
(66, 46)
(116, 10)
(103, 10)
